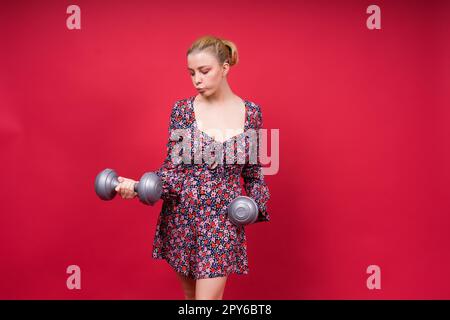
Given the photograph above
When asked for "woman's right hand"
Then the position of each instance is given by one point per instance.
(126, 188)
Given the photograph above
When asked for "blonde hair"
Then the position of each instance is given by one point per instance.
(224, 50)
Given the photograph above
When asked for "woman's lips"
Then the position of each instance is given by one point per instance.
(201, 89)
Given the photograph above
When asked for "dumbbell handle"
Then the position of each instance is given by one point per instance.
(116, 183)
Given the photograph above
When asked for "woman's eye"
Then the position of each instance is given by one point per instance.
(192, 74)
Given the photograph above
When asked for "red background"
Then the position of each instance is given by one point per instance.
(364, 144)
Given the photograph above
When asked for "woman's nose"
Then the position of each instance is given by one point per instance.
(197, 80)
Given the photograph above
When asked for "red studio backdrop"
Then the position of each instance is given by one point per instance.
(364, 158)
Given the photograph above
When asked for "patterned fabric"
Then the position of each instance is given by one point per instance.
(193, 231)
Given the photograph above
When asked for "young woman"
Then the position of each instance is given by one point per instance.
(193, 232)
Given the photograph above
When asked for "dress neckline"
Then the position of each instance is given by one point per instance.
(191, 102)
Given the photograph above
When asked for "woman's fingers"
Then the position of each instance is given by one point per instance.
(118, 188)
(126, 188)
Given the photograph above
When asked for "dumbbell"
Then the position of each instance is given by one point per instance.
(243, 210)
(149, 188)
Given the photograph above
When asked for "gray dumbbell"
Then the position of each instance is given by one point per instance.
(149, 188)
(243, 210)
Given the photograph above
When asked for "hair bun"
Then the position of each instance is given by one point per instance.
(232, 50)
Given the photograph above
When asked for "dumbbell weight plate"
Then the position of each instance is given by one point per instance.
(243, 210)
(149, 188)
(105, 184)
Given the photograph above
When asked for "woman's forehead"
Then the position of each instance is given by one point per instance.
(201, 59)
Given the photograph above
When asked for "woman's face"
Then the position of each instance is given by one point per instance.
(206, 72)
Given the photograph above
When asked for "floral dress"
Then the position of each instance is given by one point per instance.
(193, 232)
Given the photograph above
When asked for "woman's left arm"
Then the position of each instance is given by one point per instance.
(254, 183)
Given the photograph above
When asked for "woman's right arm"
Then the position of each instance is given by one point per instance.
(170, 172)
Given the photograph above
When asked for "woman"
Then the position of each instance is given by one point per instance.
(193, 232)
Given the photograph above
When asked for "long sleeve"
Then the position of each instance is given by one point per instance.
(170, 172)
(254, 183)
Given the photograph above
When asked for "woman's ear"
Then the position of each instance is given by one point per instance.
(225, 69)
